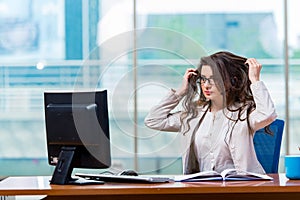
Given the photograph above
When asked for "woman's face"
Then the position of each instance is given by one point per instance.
(208, 84)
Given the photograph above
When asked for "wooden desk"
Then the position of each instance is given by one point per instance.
(279, 188)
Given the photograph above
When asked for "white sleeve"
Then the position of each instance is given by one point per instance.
(265, 112)
(160, 117)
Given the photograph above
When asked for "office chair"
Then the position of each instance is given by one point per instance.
(267, 147)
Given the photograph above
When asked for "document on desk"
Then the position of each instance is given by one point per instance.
(125, 178)
(226, 175)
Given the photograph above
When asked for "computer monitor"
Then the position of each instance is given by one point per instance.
(77, 130)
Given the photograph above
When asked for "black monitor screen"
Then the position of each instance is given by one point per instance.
(77, 130)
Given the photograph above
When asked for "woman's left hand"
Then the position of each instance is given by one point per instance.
(254, 69)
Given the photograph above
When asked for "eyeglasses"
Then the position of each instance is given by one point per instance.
(204, 79)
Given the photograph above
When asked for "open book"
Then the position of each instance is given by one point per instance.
(226, 175)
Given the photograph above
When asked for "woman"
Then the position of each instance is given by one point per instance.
(224, 103)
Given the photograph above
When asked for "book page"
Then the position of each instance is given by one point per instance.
(234, 174)
(200, 176)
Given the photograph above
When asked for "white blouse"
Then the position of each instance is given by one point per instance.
(210, 143)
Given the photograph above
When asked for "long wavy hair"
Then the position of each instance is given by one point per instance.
(231, 78)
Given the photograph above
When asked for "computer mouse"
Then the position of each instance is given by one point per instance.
(129, 172)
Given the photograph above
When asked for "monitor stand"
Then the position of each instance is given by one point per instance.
(63, 170)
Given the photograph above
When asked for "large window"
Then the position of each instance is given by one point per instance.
(137, 50)
(293, 42)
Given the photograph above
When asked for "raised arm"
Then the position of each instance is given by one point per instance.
(162, 116)
(265, 112)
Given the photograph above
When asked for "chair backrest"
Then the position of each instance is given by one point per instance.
(267, 147)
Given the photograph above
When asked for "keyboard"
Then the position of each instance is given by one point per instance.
(3, 177)
(125, 178)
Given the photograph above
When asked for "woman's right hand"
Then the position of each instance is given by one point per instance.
(185, 82)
